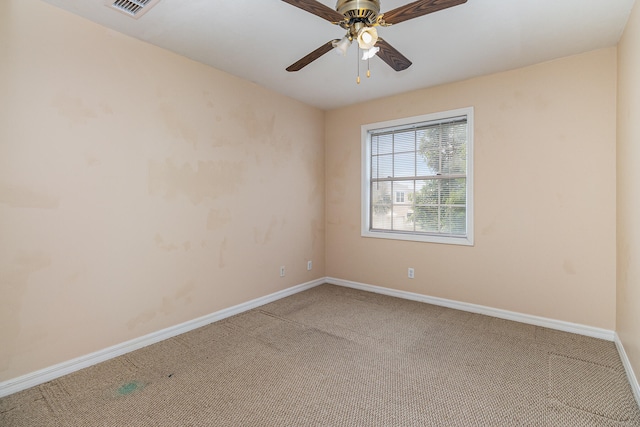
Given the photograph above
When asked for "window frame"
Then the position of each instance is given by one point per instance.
(407, 122)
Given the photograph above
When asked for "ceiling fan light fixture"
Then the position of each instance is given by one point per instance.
(370, 53)
(340, 47)
(367, 37)
(359, 18)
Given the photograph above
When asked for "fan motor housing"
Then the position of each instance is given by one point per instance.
(359, 10)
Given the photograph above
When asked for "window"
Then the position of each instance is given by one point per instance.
(427, 163)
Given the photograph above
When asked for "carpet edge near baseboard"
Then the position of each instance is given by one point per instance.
(633, 379)
(559, 325)
(56, 371)
(47, 374)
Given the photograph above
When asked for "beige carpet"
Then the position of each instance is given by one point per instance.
(333, 356)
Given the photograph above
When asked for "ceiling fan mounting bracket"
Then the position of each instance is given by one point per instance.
(365, 11)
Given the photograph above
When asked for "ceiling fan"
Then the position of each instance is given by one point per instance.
(360, 18)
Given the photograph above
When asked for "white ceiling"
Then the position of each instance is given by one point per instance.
(258, 39)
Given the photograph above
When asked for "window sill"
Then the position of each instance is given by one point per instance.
(423, 238)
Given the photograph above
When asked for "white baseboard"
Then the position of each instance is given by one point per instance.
(575, 328)
(44, 375)
(633, 380)
(47, 374)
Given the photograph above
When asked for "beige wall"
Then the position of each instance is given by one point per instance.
(139, 189)
(628, 307)
(545, 200)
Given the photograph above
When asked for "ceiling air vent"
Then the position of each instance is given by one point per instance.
(133, 8)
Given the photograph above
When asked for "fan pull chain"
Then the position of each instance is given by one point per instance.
(358, 59)
(368, 68)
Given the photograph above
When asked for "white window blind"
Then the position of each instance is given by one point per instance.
(417, 178)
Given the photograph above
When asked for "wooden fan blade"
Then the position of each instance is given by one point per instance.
(391, 56)
(318, 9)
(297, 66)
(418, 8)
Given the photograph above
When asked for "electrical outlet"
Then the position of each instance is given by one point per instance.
(411, 273)
(309, 265)
(282, 271)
